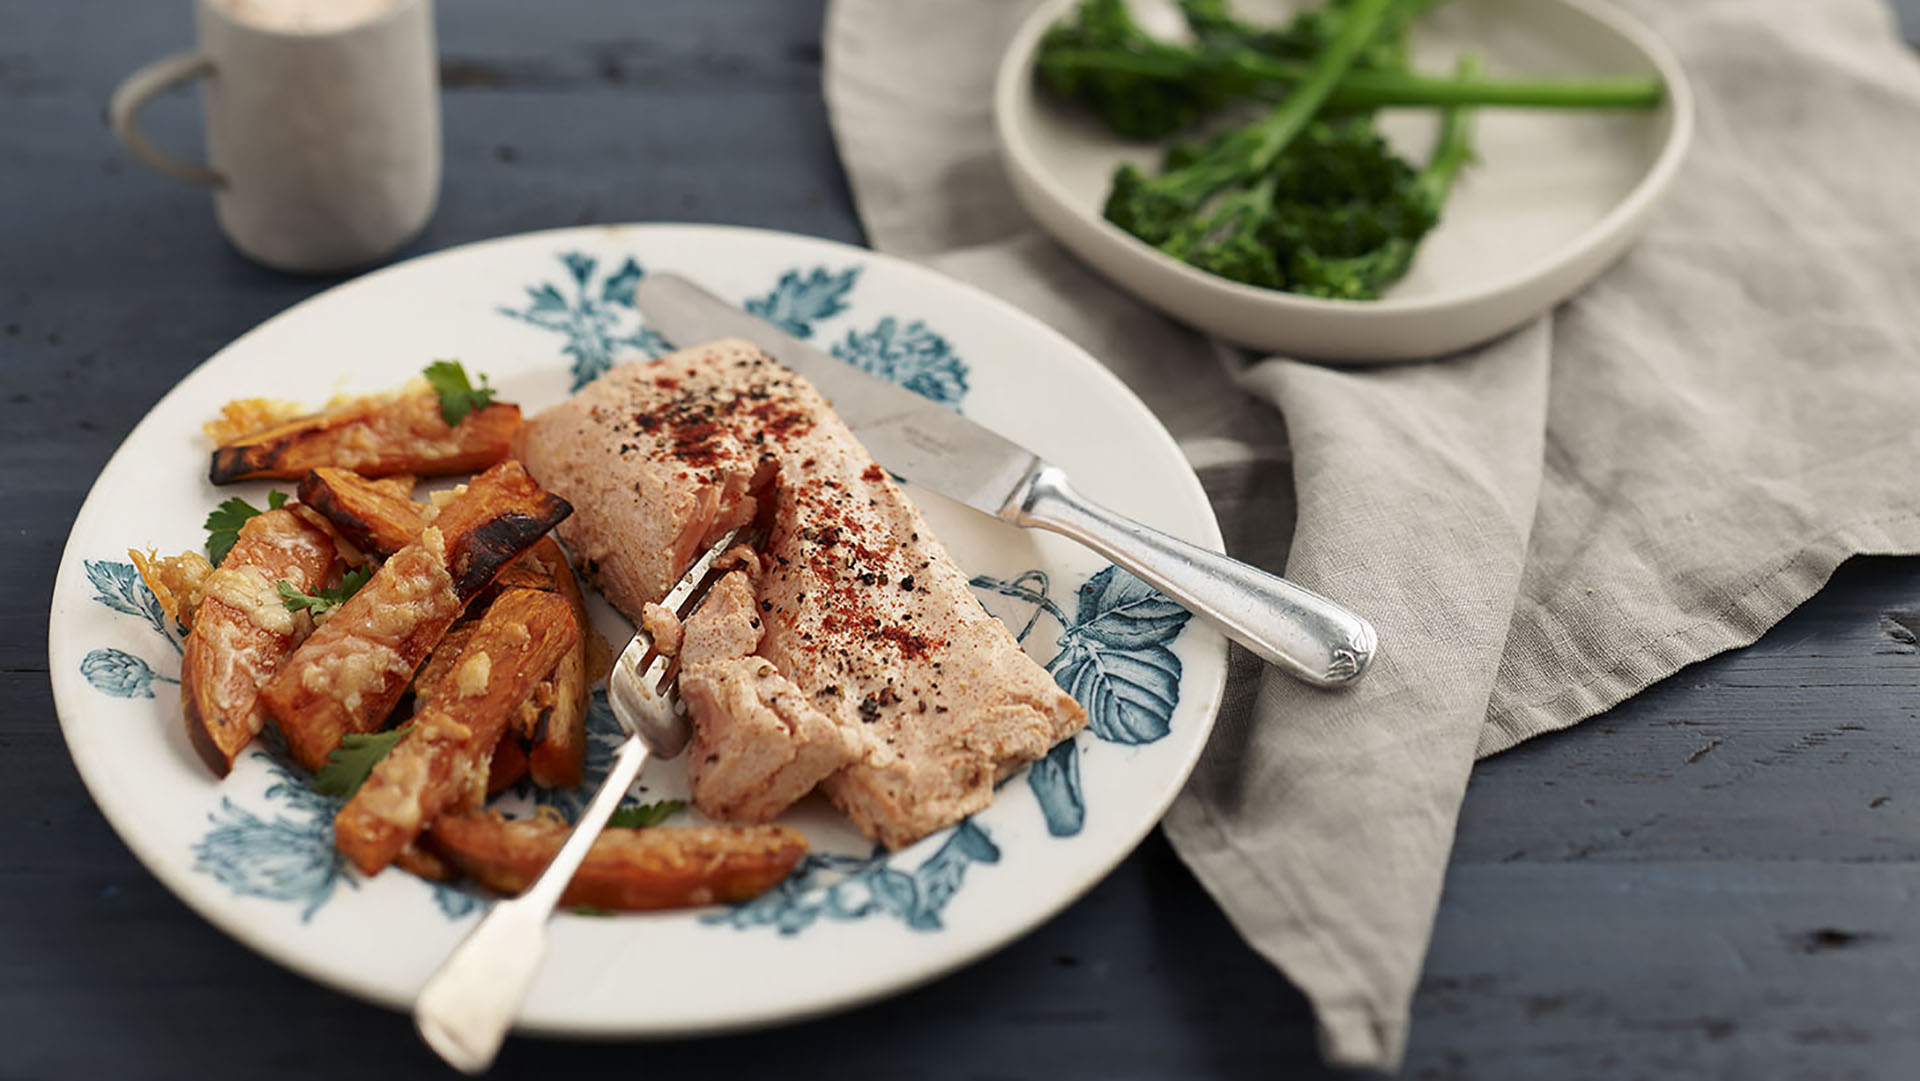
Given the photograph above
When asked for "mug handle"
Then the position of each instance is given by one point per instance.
(134, 93)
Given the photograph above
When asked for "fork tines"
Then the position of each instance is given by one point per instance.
(643, 699)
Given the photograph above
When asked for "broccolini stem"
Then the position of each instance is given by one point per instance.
(1380, 89)
(1272, 135)
(1375, 89)
(1454, 147)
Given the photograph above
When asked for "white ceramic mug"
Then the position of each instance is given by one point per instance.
(323, 145)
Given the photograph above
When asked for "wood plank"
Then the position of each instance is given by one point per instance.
(1714, 969)
(1802, 747)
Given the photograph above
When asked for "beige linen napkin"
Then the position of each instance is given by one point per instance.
(1655, 472)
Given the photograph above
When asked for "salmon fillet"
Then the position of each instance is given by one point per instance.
(663, 477)
(865, 620)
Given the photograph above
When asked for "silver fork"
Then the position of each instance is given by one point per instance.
(465, 1009)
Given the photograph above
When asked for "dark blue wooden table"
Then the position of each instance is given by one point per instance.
(1720, 878)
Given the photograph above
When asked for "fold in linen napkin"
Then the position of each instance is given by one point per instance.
(1657, 471)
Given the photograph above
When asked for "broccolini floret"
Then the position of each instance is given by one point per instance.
(1306, 197)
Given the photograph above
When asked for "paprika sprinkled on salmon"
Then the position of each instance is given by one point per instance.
(872, 671)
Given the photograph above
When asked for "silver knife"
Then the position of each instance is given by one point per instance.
(933, 446)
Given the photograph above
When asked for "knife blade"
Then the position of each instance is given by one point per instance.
(1310, 636)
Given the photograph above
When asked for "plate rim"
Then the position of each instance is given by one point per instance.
(179, 879)
(1012, 78)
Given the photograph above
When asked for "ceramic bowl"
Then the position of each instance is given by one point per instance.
(1555, 197)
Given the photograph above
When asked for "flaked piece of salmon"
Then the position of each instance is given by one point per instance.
(758, 743)
(861, 610)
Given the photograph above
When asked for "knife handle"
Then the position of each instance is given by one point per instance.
(1304, 633)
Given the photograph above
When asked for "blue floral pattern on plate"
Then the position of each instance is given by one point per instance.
(597, 319)
(1116, 659)
(118, 586)
(799, 300)
(856, 887)
(289, 857)
(121, 674)
(909, 354)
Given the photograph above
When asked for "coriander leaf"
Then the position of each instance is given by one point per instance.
(591, 910)
(458, 395)
(223, 527)
(646, 814)
(224, 521)
(327, 599)
(350, 763)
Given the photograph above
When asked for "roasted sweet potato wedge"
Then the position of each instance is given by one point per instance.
(374, 437)
(427, 863)
(627, 869)
(502, 513)
(509, 764)
(439, 663)
(509, 755)
(374, 516)
(553, 723)
(442, 762)
(243, 633)
(554, 720)
(350, 673)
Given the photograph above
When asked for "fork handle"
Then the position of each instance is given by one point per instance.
(1291, 626)
(465, 1009)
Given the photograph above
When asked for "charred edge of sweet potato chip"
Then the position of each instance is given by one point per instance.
(474, 556)
(370, 514)
(200, 735)
(288, 451)
(259, 453)
(235, 463)
(537, 568)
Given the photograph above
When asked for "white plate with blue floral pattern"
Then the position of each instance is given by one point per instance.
(541, 314)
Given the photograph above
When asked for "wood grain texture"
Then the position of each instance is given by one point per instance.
(1715, 880)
